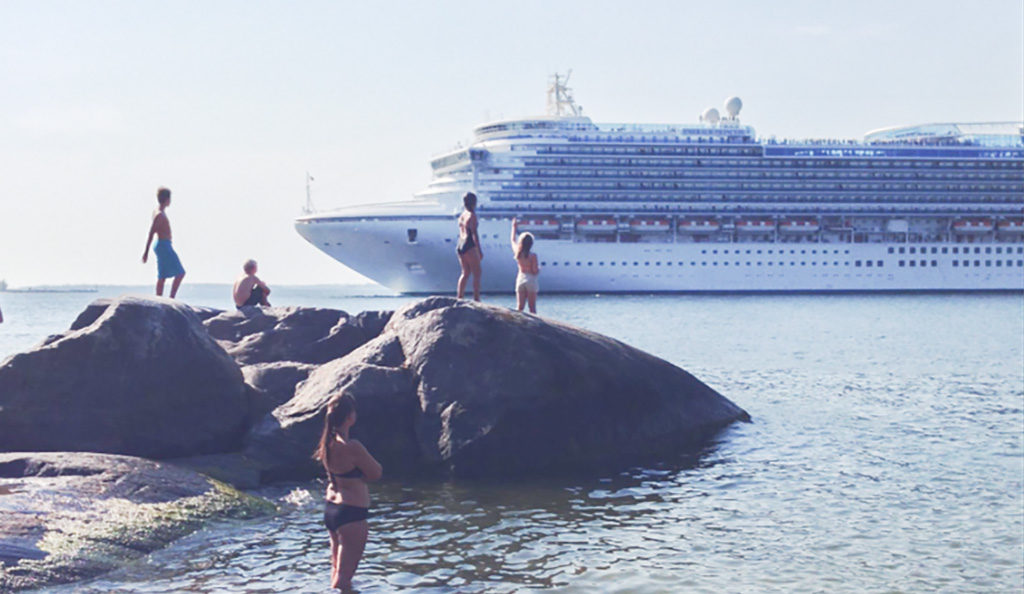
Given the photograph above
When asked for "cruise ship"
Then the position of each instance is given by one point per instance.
(702, 207)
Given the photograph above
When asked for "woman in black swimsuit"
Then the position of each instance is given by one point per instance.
(349, 466)
(469, 250)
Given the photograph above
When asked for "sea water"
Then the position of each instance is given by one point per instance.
(886, 453)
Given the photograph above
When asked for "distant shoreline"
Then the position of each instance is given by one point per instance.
(50, 291)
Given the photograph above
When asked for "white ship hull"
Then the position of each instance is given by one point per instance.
(380, 250)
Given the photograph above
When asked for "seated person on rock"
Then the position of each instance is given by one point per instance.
(249, 289)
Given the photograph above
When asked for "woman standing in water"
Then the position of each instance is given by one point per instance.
(349, 466)
(526, 281)
(469, 250)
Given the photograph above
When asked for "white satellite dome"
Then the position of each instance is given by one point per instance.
(733, 105)
(711, 115)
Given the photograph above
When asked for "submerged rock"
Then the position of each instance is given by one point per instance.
(301, 334)
(69, 516)
(141, 378)
(462, 389)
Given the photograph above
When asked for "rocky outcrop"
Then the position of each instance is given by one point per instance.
(445, 387)
(69, 516)
(274, 383)
(461, 389)
(98, 307)
(302, 334)
(136, 376)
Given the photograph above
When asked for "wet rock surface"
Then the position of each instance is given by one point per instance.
(67, 516)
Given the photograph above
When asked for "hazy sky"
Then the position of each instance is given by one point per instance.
(230, 103)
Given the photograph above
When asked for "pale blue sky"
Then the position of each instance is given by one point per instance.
(229, 103)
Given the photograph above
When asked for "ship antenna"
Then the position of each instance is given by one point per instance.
(560, 100)
(309, 208)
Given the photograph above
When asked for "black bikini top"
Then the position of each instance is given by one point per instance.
(354, 473)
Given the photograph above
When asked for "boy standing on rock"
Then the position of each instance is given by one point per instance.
(167, 263)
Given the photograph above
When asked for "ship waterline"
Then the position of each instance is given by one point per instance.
(705, 207)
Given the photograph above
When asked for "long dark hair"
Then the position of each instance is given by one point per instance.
(525, 243)
(469, 201)
(338, 409)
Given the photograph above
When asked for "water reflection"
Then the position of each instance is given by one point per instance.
(886, 454)
(469, 537)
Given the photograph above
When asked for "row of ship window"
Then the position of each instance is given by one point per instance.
(887, 162)
(770, 252)
(712, 174)
(765, 197)
(757, 185)
(754, 151)
(955, 250)
(977, 263)
(855, 263)
(691, 173)
(847, 168)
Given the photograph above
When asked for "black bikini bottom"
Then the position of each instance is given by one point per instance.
(465, 246)
(337, 515)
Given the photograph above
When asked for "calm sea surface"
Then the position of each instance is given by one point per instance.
(886, 454)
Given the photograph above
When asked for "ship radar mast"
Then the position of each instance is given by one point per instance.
(308, 208)
(560, 101)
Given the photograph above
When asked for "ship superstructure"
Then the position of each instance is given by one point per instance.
(705, 207)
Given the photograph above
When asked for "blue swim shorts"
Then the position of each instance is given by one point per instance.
(167, 263)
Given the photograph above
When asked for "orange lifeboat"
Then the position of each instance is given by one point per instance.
(799, 225)
(542, 225)
(1011, 226)
(755, 225)
(597, 225)
(973, 225)
(698, 225)
(648, 225)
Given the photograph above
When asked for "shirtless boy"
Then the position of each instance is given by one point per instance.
(167, 263)
(249, 289)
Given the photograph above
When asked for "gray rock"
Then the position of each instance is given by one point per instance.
(98, 307)
(372, 323)
(68, 516)
(462, 389)
(303, 334)
(235, 468)
(275, 382)
(143, 378)
(282, 444)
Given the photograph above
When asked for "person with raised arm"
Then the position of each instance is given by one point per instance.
(527, 285)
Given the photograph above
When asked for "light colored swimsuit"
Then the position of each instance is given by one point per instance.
(525, 279)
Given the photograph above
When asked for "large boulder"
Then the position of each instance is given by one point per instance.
(68, 516)
(142, 378)
(274, 383)
(462, 389)
(302, 334)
